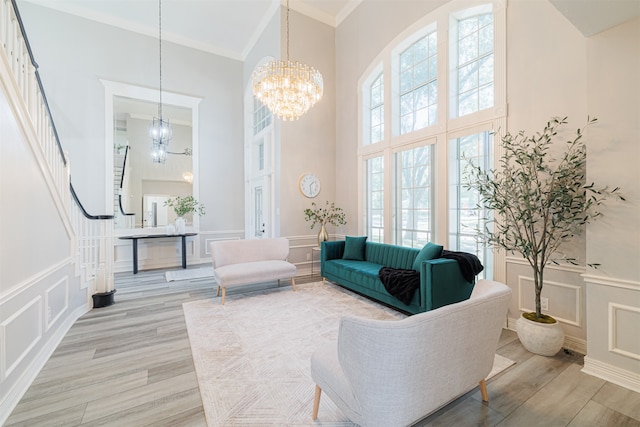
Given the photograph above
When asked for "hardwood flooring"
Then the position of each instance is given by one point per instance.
(130, 364)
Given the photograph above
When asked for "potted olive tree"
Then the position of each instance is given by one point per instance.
(539, 201)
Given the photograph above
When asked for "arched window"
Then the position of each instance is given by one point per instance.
(452, 60)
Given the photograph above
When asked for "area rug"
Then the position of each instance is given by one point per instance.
(252, 355)
(189, 274)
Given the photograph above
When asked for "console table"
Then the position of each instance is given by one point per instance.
(135, 237)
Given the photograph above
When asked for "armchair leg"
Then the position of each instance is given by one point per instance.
(293, 284)
(316, 403)
(483, 391)
(224, 293)
(218, 291)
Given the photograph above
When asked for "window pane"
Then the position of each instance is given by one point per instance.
(468, 48)
(485, 97)
(468, 77)
(418, 72)
(375, 199)
(421, 97)
(421, 72)
(420, 50)
(485, 74)
(406, 104)
(465, 215)
(376, 110)
(406, 80)
(414, 219)
(474, 75)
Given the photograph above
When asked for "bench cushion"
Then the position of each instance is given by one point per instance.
(248, 273)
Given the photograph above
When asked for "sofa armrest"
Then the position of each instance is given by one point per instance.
(332, 250)
(443, 284)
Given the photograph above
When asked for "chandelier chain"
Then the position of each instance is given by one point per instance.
(287, 30)
(160, 54)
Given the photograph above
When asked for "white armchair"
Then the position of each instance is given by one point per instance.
(394, 373)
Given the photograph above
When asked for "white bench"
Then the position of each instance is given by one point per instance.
(246, 262)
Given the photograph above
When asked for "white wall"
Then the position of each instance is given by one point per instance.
(40, 294)
(308, 144)
(74, 54)
(546, 78)
(613, 290)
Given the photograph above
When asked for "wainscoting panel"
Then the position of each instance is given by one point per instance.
(56, 302)
(20, 333)
(624, 318)
(564, 299)
(613, 342)
(33, 319)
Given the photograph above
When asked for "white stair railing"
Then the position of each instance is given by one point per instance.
(92, 247)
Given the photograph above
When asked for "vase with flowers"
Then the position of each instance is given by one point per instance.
(323, 215)
(182, 206)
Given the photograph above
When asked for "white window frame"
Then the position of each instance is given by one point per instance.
(453, 54)
(365, 108)
(446, 127)
(397, 229)
(367, 196)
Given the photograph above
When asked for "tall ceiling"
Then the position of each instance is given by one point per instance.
(223, 27)
(231, 27)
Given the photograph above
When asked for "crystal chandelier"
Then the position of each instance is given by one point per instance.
(160, 129)
(287, 88)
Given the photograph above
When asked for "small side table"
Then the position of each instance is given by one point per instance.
(315, 250)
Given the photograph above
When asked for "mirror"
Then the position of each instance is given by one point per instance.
(143, 185)
(183, 112)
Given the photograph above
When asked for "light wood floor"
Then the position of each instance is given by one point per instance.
(130, 365)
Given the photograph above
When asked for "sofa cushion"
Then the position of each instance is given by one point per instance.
(428, 252)
(253, 272)
(354, 248)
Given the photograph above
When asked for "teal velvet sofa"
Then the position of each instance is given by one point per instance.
(441, 280)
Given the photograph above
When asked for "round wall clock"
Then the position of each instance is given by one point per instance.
(309, 185)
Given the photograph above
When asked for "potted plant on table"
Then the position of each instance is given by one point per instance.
(182, 206)
(538, 203)
(329, 214)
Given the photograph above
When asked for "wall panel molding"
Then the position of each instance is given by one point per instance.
(56, 302)
(615, 323)
(33, 280)
(577, 292)
(20, 333)
(557, 267)
(611, 281)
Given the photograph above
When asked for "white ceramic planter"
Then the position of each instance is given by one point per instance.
(545, 339)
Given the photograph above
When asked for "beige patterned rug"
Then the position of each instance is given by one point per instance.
(252, 354)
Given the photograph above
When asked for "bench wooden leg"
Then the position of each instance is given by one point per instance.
(224, 293)
(293, 284)
(316, 403)
(483, 391)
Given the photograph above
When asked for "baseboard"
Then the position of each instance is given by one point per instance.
(613, 374)
(570, 343)
(31, 372)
